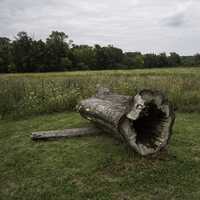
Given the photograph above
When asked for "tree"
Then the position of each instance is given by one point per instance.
(37, 56)
(108, 57)
(66, 63)
(197, 59)
(174, 59)
(56, 49)
(5, 56)
(150, 61)
(58, 53)
(133, 60)
(21, 52)
(162, 60)
(83, 57)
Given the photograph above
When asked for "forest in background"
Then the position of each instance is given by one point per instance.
(59, 53)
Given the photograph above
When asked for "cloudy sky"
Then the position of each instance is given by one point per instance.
(133, 25)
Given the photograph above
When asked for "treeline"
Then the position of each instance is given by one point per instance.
(58, 53)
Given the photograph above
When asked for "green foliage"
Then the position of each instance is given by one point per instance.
(31, 94)
(21, 52)
(162, 60)
(133, 60)
(97, 168)
(174, 59)
(66, 63)
(83, 57)
(59, 53)
(56, 49)
(5, 54)
(108, 57)
(197, 59)
(150, 61)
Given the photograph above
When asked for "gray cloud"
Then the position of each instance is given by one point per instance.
(175, 20)
(179, 16)
(132, 25)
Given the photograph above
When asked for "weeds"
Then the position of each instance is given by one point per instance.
(32, 94)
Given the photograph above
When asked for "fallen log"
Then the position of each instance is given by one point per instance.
(66, 133)
(144, 122)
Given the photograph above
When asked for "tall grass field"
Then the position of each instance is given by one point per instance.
(32, 94)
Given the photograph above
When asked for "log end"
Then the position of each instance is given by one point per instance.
(147, 127)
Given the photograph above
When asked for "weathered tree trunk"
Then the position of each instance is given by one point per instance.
(144, 122)
(66, 133)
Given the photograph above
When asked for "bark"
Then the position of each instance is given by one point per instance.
(67, 133)
(144, 122)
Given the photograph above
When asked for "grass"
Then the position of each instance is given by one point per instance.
(155, 71)
(23, 95)
(95, 167)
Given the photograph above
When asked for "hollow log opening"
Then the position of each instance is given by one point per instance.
(149, 125)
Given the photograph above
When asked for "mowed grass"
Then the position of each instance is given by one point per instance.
(95, 167)
(35, 94)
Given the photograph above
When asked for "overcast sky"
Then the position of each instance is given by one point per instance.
(133, 25)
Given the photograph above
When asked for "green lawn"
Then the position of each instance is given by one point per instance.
(95, 167)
